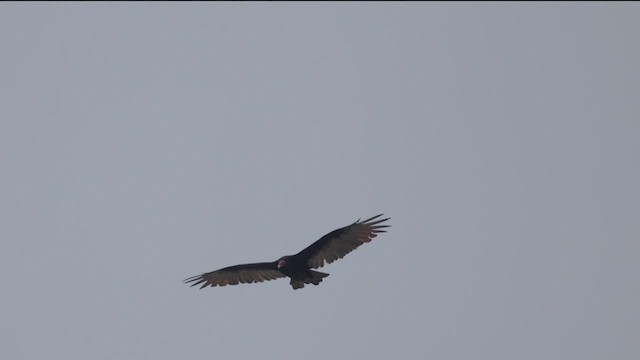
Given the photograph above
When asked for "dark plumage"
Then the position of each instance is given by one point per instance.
(329, 248)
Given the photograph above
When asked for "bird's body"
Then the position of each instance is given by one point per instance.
(298, 270)
(298, 267)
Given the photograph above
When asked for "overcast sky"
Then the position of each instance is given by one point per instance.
(141, 144)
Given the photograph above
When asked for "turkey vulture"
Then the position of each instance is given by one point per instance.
(329, 248)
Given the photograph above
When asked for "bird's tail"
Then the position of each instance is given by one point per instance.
(316, 277)
(313, 277)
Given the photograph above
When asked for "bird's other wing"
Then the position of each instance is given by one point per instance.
(338, 243)
(238, 274)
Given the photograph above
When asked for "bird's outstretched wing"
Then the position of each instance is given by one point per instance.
(238, 274)
(338, 243)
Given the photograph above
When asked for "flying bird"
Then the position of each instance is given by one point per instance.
(329, 248)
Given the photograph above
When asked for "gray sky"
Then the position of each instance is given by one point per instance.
(145, 143)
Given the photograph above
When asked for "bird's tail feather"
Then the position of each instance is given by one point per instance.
(314, 277)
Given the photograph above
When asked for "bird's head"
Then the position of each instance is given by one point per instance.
(282, 263)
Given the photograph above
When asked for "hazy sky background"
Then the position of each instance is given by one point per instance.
(144, 143)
